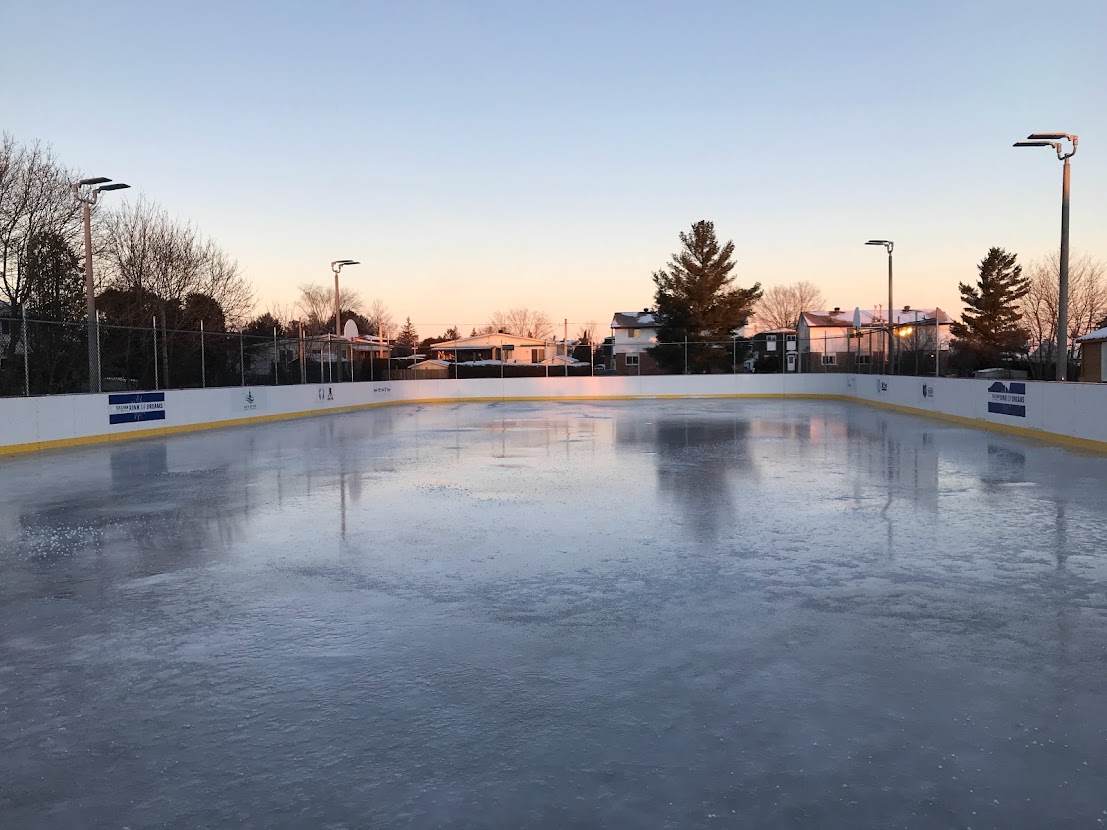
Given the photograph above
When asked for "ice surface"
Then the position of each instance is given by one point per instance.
(647, 614)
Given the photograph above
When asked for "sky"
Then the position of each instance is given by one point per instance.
(479, 156)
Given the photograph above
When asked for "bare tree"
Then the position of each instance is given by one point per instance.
(380, 319)
(781, 305)
(35, 198)
(587, 333)
(1087, 301)
(285, 313)
(221, 278)
(316, 306)
(523, 322)
(162, 260)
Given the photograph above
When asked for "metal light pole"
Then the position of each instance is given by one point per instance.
(85, 192)
(891, 331)
(1055, 140)
(336, 266)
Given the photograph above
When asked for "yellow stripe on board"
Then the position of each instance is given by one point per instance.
(158, 432)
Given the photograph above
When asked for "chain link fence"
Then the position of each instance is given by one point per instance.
(46, 358)
(914, 353)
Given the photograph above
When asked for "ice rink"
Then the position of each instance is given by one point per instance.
(642, 614)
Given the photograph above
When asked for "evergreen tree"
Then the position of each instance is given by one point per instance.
(407, 340)
(263, 327)
(698, 302)
(55, 353)
(56, 280)
(991, 325)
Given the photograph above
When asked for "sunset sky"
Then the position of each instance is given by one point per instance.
(477, 156)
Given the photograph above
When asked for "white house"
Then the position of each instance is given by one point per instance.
(633, 332)
(508, 348)
(828, 341)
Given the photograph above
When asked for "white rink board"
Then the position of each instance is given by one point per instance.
(1056, 411)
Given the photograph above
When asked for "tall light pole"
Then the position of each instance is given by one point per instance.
(1055, 140)
(336, 266)
(87, 193)
(891, 331)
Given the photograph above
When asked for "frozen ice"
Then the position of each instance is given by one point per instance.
(624, 614)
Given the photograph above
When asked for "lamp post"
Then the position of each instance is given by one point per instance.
(336, 266)
(87, 192)
(1055, 140)
(891, 335)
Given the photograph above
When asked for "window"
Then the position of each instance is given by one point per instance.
(634, 333)
(632, 360)
(536, 355)
(864, 359)
(829, 359)
(790, 342)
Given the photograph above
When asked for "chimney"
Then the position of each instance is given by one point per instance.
(837, 310)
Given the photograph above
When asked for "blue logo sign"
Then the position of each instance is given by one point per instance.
(136, 406)
(1007, 399)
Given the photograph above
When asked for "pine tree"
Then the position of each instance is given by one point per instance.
(991, 325)
(407, 339)
(57, 294)
(697, 302)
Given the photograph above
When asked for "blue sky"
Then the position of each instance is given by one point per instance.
(478, 156)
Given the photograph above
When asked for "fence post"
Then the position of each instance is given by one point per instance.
(937, 344)
(26, 357)
(164, 347)
(303, 364)
(276, 378)
(99, 352)
(241, 359)
(154, 320)
(203, 363)
(685, 354)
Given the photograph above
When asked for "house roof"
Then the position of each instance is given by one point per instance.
(426, 365)
(871, 318)
(822, 320)
(1093, 336)
(487, 341)
(634, 320)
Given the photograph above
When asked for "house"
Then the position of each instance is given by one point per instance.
(829, 341)
(1093, 362)
(370, 346)
(632, 333)
(426, 369)
(498, 346)
(773, 351)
